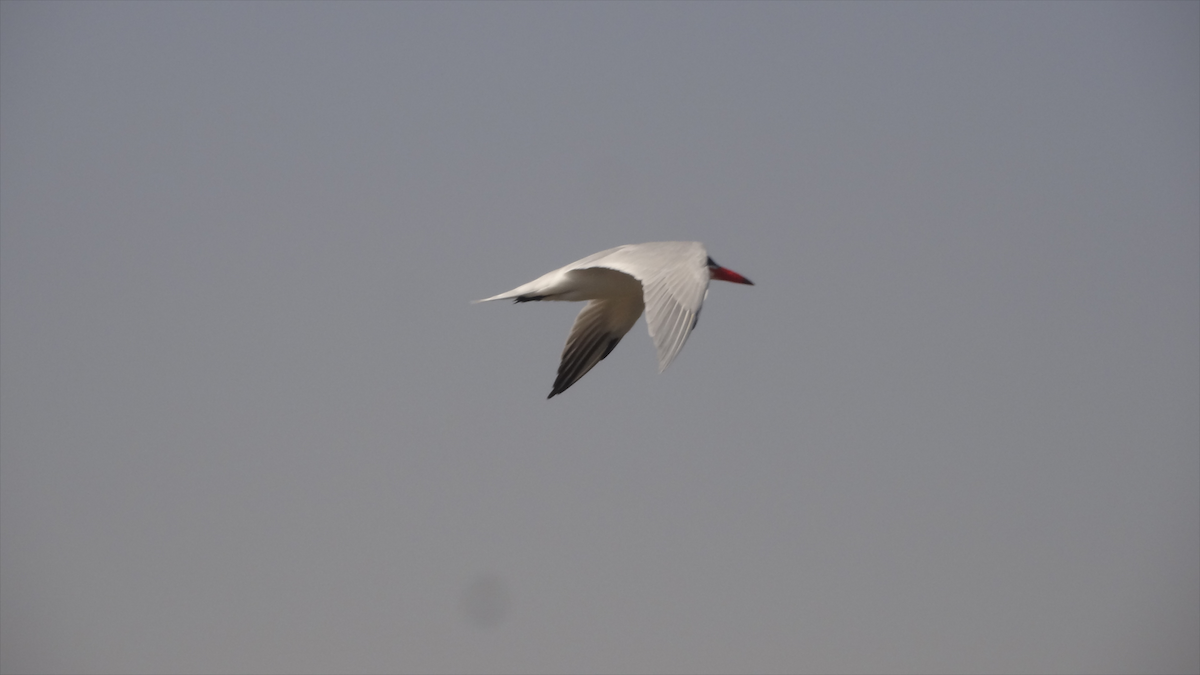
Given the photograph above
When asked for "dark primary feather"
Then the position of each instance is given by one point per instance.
(581, 357)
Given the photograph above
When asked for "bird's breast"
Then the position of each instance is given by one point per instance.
(600, 283)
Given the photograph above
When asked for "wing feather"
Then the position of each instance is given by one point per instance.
(674, 276)
(597, 330)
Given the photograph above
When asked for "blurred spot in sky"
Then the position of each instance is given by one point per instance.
(485, 601)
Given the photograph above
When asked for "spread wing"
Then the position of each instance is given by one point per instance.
(674, 276)
(597, 330)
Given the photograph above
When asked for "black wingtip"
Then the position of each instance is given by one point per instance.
(528, 298)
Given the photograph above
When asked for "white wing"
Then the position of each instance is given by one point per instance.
(597, 330)
(674, 276)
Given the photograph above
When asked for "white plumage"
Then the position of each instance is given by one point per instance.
(669, 279)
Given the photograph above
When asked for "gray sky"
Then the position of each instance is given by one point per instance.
(251, 423)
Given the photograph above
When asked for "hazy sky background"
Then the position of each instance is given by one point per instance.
(251, 423)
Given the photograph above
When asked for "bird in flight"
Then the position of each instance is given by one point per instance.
(668, 279)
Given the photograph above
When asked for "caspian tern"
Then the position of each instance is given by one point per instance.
(669, 279)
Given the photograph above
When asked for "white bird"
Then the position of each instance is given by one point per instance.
(669, 279)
